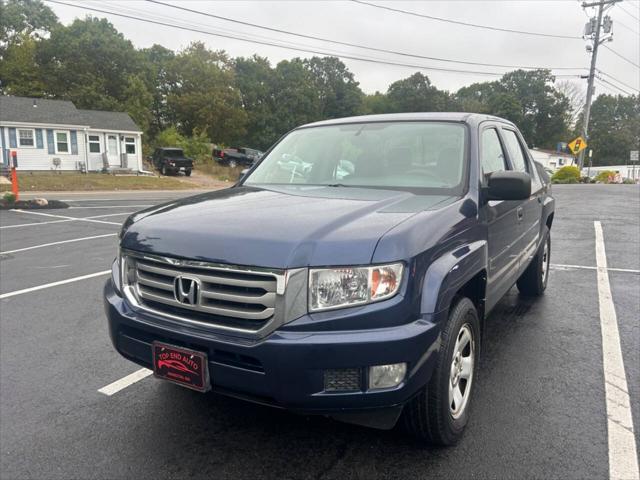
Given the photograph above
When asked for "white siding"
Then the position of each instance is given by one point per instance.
(40, 158)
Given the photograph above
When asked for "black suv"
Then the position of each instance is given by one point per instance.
(171, 160)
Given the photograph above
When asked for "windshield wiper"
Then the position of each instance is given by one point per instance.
(336, 185)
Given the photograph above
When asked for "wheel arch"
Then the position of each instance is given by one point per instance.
(461, 272)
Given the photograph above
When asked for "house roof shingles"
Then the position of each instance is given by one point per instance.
(109, 120)
(61, 112)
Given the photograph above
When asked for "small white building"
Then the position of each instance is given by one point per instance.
(55, 135)
(551, 159)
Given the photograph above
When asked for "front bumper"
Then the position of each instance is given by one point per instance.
(286, 369)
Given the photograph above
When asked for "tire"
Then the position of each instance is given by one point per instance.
(431, 416)
(233, 163)
(163, 170)
(533, 281)
(187, 172)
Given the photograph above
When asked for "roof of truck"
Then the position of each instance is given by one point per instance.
(471, 118)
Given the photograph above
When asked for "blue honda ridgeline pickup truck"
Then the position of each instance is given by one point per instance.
(347, 274)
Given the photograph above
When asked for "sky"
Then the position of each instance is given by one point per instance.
(355, 23)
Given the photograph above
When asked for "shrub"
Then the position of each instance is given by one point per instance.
(568, 174)
(603, 177)
(9, 197)
(196, 146)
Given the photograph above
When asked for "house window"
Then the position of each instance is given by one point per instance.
(130, 145)
(26, 138)
(94, 143)
(62, 142)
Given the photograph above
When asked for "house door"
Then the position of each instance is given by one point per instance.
(113, 153)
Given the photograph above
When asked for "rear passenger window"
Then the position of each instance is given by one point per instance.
(515, 151)
(491, 154)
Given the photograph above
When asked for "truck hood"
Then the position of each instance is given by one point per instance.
(283, 227)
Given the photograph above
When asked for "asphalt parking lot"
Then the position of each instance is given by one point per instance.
(540, 409)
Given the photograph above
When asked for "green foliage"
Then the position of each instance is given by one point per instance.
(9, 198)
(416, 94)
(603, 177)
(614, 128)
(568, 174)
(20, 74)
(203, 95)
(196, 146)
(24, 18)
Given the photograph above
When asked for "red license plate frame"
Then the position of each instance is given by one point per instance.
(183, 366)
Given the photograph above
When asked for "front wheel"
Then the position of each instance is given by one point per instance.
(440, 411)
(533, 280)
(163, 170)
(233, 163)
(187, 172)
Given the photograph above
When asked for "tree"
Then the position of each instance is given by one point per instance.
(544, 112)
(89, 62)
(137, 100)
(155, 63)
(575, 94)
(203, 95)
(256, 81)
(337, 90)
(19, 71)
(376, 103)
(416, 94)
(295, 97)
(20, 19)
(614, 128)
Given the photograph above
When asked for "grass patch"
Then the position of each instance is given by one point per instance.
(214, 169)
(46, 181)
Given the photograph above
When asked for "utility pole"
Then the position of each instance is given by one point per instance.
(592, 30)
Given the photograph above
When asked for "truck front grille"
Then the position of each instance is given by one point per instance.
(203, 293)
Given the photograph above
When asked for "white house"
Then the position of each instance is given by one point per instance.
(55, 135)
(551, 159)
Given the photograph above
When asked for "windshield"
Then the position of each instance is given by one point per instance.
(173, 152)
(400, 155)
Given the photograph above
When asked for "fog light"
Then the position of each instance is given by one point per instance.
(386, 376)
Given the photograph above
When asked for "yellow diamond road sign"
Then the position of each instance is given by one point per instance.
(577, 145)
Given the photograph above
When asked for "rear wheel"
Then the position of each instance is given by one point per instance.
(533, 280)
(440, 411)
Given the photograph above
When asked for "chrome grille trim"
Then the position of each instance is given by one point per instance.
(235, 293)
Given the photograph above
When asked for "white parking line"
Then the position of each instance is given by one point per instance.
(65, 217)
(53, 284)
(69, 219)
(58, 243)
(560, 266)
(623, 459)
(112, 206)
(124, 382)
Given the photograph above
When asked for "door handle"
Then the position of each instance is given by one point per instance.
(520, 213)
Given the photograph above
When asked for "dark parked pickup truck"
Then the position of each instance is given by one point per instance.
(171, 161)
(354, 284)
(236, 157)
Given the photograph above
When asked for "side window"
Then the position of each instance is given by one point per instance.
(515, 151)
(492, 158)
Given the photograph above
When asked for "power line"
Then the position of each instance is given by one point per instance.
(619, 81)
(304, 50)
(621, 56)
(629, 13)
(466, 24)
(600, 79)
(618, 22)
(348, 44)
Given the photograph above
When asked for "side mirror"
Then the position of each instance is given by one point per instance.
(509, 185)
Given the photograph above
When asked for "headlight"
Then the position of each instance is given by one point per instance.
(349, 286)
(115, 273)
